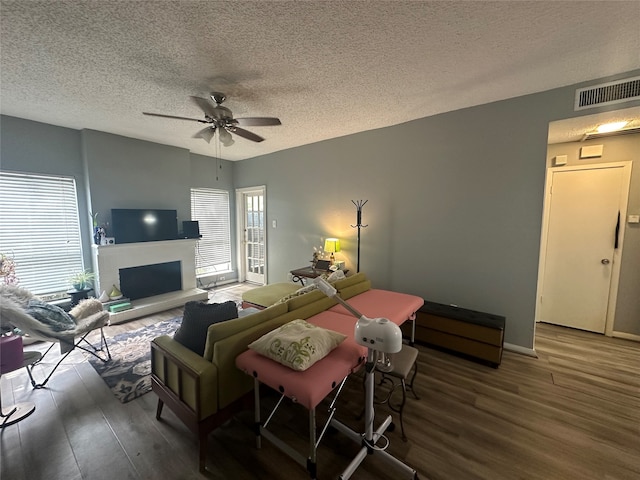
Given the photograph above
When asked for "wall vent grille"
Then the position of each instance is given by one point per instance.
(608, 93)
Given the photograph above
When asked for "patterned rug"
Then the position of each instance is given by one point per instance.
(128, 374)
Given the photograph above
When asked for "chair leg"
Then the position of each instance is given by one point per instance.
(401, 409)
(202, 450)
(42, 384)
(103, 342)
(159, 409)
(413, 377)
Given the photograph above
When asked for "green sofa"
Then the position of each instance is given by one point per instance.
(205, 391)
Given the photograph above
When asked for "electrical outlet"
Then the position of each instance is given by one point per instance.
(221, 278)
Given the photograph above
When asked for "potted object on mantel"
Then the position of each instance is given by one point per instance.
(81, 283)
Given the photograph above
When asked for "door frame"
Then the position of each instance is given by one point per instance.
(240, 226)
(617, 253)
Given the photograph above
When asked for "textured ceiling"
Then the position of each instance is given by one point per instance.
(325, 68)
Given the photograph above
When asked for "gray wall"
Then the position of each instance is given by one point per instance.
(454, 200)
(34, 147)
(455, 203)
(112, 171)
(616, 149)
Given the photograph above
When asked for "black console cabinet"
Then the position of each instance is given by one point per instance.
(475, 334)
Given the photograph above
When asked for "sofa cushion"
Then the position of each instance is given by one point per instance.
(192, 332)
(268, 294)
(297, 344)
(302, 300)
(348, 281)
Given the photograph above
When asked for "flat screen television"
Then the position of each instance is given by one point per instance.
(132, 225)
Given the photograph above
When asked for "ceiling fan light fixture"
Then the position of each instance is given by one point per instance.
(225, 137)
(206, 134)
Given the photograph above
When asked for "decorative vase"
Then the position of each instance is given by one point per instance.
(115, 293)
(104, 297)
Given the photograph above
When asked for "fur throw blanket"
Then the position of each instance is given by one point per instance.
(20, 309)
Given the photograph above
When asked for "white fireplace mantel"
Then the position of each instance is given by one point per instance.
(109, 259)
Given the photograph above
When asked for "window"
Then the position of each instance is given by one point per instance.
(211, 209)
(39, 227)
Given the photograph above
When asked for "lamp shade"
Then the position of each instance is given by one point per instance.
(332, 245)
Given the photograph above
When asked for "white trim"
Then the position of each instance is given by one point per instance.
(530, 352)
(617, 254)
(241, 260)
(626, 336)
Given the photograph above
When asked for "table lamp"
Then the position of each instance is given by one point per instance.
(332, 245)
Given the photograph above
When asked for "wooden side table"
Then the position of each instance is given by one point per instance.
(299, 274)
(77, 295)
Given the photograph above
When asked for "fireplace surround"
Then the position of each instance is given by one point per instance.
(108, 260)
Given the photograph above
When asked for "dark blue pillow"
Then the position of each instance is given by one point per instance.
(50, 315)
(196, 320)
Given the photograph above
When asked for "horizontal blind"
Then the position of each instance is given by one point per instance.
(211, 209)
(39, 227)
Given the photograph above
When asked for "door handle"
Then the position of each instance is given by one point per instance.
(605, 261)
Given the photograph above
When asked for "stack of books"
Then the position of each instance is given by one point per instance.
(119, 305)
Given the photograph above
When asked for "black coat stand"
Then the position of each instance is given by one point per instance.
(359, 204)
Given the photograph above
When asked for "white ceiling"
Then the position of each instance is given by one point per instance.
(325, 68)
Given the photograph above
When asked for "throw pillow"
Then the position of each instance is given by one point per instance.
(197, 317)
(52, 315)
(297, 344)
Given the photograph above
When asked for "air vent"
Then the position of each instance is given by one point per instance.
(625, 131)
(608, 93)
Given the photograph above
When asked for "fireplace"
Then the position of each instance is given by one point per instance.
(149, 280)
(165, 287)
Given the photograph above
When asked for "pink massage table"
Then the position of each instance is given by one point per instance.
(312, 386)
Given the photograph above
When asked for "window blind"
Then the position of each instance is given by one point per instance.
(40, 229)
(211, 209)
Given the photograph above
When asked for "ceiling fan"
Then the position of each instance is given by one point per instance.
(220, 119)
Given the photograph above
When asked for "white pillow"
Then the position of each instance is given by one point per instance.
(297, 344)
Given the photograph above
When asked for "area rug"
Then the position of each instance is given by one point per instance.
(128, 374)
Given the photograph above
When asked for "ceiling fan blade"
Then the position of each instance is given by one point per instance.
(258, 121)
(205, 106)
(173, 116)
(206, 134)
(247, 134)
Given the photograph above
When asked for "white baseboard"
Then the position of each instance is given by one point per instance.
(530, 352)
(626, 336)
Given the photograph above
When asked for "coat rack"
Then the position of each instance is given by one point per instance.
(359, 204)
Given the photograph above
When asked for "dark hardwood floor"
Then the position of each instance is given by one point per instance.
(572, 413)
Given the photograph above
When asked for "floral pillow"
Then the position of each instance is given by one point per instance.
(297, 344)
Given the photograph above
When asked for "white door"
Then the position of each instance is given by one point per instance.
(582, 221)
(254, 261)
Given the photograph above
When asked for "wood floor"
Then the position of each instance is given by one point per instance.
(572, 413)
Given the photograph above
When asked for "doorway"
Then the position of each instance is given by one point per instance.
(252, 234)
(582, 238)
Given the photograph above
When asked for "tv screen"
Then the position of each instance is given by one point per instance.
(144, 225)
